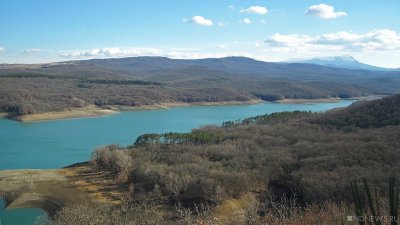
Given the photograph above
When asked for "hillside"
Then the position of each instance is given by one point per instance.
(366, 114)
(139, 81)
(241, 171)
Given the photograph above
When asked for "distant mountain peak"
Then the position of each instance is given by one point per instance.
(328, 58)
(347, 57)
(342, 61)
(342, 57)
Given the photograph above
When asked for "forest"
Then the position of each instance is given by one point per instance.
(54, 87)
(280, 168)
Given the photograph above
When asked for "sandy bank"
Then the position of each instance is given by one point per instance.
(93, 111)
(168, 105)
(308, 101)
(73, 113)
(52, 189)
(327, 100)
(45, 189)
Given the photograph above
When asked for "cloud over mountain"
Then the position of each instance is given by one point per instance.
(180, 53)
(111, 52)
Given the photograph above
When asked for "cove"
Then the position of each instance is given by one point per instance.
(26, 216)
(59, 143)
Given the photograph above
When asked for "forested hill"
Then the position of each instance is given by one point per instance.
(365, 114)
(273, 164)
(137, 81)
(281, 153)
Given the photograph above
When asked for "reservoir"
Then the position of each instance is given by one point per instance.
(59, 143)
(27, 216)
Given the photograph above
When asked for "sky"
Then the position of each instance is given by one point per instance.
(41, 31)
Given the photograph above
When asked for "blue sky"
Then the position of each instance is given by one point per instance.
(55, 30)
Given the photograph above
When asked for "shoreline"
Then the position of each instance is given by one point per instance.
(308, 101)
(94, 111)
(169, 105)
(51, 189)
(68, 114)
(327, 100)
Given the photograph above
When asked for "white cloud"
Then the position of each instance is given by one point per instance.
(324, 11)
(1, 49)
(255, 10)
(292, 40)
(32, 50)
(246, 21)
(377, 47)
(111, 52)
(201, 21)
(177, 53)
(278, 47)
(377, 40)
(115, 52)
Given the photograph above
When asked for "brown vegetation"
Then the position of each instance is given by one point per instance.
(57, 87)
(283, 168)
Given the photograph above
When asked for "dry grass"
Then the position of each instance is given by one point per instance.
(45, 188)
(100, 186)
(234, 209)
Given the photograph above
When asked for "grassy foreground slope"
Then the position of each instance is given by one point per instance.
(283, 168)
(138, 81)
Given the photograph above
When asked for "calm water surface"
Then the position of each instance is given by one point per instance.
(58, 143)
(27, 216)
(54, 144)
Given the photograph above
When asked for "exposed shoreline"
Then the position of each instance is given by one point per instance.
(308, 101)
(326, 100)
(51, 189)
(168, 105)
(90, 111)
(94, 111)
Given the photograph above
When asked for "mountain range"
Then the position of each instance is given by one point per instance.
(345, 61)
(138, 81)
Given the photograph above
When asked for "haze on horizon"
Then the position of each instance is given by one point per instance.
(49, 31)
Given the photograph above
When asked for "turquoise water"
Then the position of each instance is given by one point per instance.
(58, 143)
(25, 216)
(20, 216)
